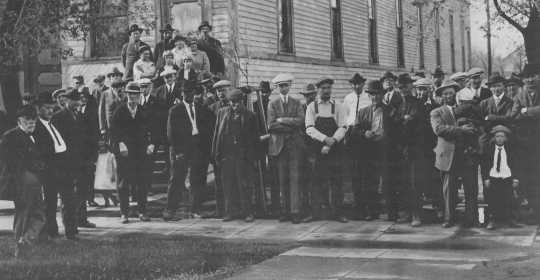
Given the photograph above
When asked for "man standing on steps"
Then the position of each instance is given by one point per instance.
(189, 131)
(285, 123)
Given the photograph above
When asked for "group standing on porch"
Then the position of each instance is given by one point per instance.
(404, 142)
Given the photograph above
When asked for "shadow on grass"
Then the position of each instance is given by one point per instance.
(135, 256)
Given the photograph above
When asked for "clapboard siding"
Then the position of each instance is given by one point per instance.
(257, 25)
(312, 30)
(355, 31)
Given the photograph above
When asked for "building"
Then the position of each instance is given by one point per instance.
(308, 38)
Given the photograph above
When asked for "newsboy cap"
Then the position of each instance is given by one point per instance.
(424, 82)
(475, 71)
(133, 87)
(495, 79)
(283, 78)
(323, 81)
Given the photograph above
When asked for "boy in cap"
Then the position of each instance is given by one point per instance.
(326, 125)
(133, 142)
(234, 152)
(285, 122)
(498, 170)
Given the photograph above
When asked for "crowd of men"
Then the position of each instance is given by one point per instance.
(406, 140)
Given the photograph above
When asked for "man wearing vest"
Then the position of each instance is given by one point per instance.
(326, 125)
(285, 122)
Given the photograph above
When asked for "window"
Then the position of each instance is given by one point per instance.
(438, 36)
(399, 27)
(186, 15)
(337, 32)
(108, 31)
(373, 51)
(452, 42)
(285, 21)
(421, 59)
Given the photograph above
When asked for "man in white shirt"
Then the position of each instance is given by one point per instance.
(497, 168)
(357, 99)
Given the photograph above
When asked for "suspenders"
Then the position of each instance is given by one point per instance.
(317, 108)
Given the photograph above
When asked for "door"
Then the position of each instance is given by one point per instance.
(186, 15)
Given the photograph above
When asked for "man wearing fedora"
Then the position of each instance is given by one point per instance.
(163, 45)
(371, 133)
(100, 87)
(114, 76)
(212, 47)
(285, 122)
(449, 152)
(133, 143)
(474, 91)
(526, 113)
(130, 50)
(326, 126)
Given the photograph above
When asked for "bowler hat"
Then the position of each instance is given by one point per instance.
(495, 79)
(514, 79)
(133, 28)
(309, 89)
(99, 79)
(205, 77)
(115, 72)
(205, 24)
(501, 128)
(447, 84)
(27, 111)
(133, 87)
(374, 87)
(72, 94)
(167, 28)
(388, 75)
(45, 98)
(405, 78)
(438, 72)
(323, 81)
(357, 79)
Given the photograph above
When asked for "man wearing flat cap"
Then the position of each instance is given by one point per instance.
(21, 167)
(371, 130)
(461, 79)
(498, 170)
(474, 91)
(326, 126)
(133, 143)
(222, 89)
(234, 150)
(526, 113)
(286, 145)
(449, 153)
(130, 50)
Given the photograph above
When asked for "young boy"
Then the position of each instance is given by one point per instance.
(498, 167)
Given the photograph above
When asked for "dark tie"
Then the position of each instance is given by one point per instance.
(357, 104)
(191, 110)
(54, 134)
(498, 168)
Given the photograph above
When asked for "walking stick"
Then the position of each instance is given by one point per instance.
(260, 170)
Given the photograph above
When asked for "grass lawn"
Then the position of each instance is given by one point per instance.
(135, 256)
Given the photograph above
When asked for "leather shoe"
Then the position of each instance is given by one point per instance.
(447, 225)
(296, 219)
(228, 218)
(416, 221)
(87, 224)
(249, 219)
(490, 226)
(342, 219)
(144, 218)
(124, 219)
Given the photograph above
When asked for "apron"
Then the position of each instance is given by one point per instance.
(327, 126)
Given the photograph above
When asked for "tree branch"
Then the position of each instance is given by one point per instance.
(508, 18)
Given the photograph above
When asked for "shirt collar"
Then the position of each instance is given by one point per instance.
(43, 121)
(284, 98)
(320, 101)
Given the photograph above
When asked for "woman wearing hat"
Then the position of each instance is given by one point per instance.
(130, 50)
(144, 67)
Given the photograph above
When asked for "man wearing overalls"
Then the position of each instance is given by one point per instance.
(326, 126)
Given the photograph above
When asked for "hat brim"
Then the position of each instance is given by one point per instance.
(439, 90)
(357, 81)
(205, 25)
(308, 92)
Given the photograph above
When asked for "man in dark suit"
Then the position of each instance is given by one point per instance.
(496, 110)
(20, 173)
(187, 76)
(234, 150)
(189, 131)
(449, 150)
(99, 82)
(371, 136)
(526, 113)
(133, 143)
(164, 45)
(285, 123)
(213, 49)
(55, 146)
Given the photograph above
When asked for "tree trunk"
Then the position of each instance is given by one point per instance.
(531, 36)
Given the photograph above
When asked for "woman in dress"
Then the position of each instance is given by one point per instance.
(144, 67)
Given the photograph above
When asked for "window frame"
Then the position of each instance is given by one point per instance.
(279, 13)
(438, 55)
(421, 50)
(333, 42)
(452, 41)
(400, 46)
(373, 43)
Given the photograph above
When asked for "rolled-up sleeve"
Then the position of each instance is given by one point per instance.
(341, 120)
(310, 124)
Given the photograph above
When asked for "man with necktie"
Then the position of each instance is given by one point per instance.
(449, 152)
(58, 178)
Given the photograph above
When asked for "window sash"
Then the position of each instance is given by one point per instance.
(285, 25)
(337, 30)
